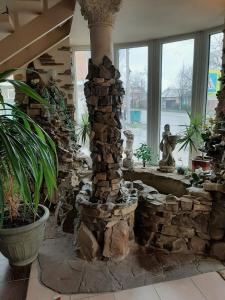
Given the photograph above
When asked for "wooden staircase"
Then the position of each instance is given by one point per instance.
(29, 28)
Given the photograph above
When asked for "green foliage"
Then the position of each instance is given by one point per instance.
(55, 98)
(21, 86)
(144, 152)
(27, 154)
(183, 170)
(192, 134)
(84, 128)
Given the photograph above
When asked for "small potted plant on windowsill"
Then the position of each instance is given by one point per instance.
(27, 167)
(194, 136)
(144, 152)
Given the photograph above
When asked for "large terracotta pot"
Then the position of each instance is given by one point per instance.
(21, 245)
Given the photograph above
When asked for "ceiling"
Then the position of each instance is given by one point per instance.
(149, 19)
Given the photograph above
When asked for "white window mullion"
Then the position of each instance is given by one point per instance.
(200, 74)
(154, 95)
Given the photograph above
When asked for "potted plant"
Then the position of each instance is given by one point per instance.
(194, 136)
(84, 129)
(27, 167)
(144, 152)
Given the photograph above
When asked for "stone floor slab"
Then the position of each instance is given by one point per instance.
(62, 271)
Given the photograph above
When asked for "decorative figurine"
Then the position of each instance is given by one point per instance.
(128, 162)
(167, 145)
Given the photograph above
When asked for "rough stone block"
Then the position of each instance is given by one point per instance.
(216, 233)
(164, 241)
(218, 250)
(116, 241)
(87, 243)
(186, 203)
(212, 186)
(199, 192)
(179, 246)
(103, 183)
(198, 245)
(100, 176)
(202, 207)
(33, 112)
(178, 231)
(172, 206)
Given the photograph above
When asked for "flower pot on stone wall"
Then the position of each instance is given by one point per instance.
(199, 162)
(21, 245)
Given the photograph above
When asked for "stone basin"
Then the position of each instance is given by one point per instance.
(165, 183)
(104, 230)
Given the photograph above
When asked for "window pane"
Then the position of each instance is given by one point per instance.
(81, 70)
(133, 66)
(215, 66)
(177, 71)
(8, 93)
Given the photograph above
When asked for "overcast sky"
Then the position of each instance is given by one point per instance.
(174, 56)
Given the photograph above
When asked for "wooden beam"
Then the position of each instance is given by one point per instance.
(31, 6)
(39, 47)
(37, 28)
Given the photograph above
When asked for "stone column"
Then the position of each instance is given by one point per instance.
(103, 93)
(101, 16)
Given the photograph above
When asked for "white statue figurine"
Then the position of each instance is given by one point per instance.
(167, 145)
(128, 161)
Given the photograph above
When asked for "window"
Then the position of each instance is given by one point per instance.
(215, 66)
(81, 70)
(133, 66)
(176, 90)
(8, 93)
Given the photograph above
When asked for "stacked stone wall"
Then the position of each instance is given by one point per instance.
(192, 223)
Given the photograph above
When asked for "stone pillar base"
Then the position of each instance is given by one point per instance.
(105, 230)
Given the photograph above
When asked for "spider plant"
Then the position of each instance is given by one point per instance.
(27, 156)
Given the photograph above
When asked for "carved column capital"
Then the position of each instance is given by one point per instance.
(99, 11)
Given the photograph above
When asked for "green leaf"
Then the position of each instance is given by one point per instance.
(26, 89)
(2, 204)
(6, 74)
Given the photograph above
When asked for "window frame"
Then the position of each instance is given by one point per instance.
(200, 77)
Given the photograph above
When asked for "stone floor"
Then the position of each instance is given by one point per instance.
(207, 286)
(65, 273)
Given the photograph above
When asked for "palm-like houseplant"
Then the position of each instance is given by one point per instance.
(84, 129)
(193, 137)
(28, 165)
